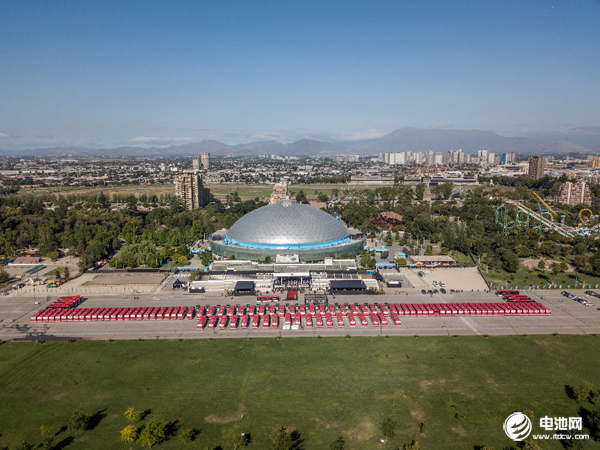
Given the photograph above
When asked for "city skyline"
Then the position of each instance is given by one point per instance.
(111, 75)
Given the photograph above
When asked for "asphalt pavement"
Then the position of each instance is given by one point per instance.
(568, 317)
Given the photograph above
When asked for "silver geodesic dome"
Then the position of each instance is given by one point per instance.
(287, 223)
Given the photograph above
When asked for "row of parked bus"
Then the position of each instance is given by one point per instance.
(369, 309)
(376, 313)
(97, 314)
(516, 297)
(66, 302)
(295, 321)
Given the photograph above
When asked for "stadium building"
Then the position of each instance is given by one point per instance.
(285, 229)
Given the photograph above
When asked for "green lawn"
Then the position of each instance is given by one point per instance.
(461, 389)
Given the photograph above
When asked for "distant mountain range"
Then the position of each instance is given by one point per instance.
(577, 140)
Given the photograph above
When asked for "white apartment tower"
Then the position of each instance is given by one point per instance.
(205, 160)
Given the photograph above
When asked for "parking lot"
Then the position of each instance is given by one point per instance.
(568, 317)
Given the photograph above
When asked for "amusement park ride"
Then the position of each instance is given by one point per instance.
(515, 214)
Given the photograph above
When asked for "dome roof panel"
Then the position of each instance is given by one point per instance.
(287, 223)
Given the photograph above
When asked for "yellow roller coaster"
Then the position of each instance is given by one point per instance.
(541, 200)
(584, 219)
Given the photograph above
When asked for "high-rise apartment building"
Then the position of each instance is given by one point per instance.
(458, 157)
(536, 167)
(575, 194)
(280, 192)
(345, 158)
(482, 156)
(196, 164)
(205, 160)
(593, 162)
(190, 189)
(509, 158)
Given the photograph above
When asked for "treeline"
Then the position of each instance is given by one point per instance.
(88, 228)
(469, 227)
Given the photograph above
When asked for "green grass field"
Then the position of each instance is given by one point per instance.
(461, 389)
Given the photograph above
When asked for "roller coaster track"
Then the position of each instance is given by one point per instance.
(514, 214)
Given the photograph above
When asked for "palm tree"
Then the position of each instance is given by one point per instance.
(586, 268)
(555, 268)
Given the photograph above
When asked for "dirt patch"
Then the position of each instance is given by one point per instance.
(391, 395)
(55, 397)
(533, 263)
(362, 432)
(332, 425)
(222, 420)
(418, 414)
(491, 381)
(111, 417)
(459, 429)
(126, 279)
(424, 384)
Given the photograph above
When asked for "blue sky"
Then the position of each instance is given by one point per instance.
(115, 73)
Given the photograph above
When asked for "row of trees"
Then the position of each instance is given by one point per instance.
(95, 231)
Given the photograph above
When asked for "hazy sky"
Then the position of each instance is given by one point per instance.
(114, 73)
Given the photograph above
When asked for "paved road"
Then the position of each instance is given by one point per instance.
(568, 317)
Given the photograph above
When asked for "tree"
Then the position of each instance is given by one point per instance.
(555, 269)
(586, 267)
(132, 414)
(53, 255)
(510, 261)
(388, 428)
(240, 439)
(47, 437)
(78, 421)
(301, 197)
(582, 391)
(580, 248)
(4, 277)
(195, 275)
(548, 249)
(281, 439)
(522, 251)
(414, 445)
(338, 444)
(206, 258)
(542, 265)
(67, 273)
(420, 191)
(152, 433)
(183, 260)
(322, 197)
(446, 189)
(530, 445)
(186, 436)
(129, 434)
